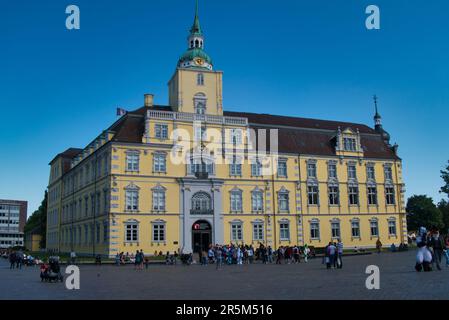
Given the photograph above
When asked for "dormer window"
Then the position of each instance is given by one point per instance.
(349, 144)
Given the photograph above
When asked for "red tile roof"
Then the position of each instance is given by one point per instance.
(296, 135)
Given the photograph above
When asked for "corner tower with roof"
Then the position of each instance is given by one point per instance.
(196, 87)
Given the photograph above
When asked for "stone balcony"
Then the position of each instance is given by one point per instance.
(191, 117)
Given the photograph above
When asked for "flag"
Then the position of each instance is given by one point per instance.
(120, 112)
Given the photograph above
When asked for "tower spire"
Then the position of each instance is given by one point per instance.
(377, 117)
(378, 123)
(195, 57)
(196, 27)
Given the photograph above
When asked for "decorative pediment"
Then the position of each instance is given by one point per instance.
(132, 186)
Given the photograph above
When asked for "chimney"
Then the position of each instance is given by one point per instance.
(149, 99)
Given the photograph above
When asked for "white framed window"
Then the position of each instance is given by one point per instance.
(353, 192)
(236, 200)
(389, 195)
(283, 199)
(98, 232)
(236, 231)
(200, 107)
(332, 170)
(195, 166)
(201, 203)
(161, 131)
(314, 229)
(349, 144)
(132, 162)
(258, 231)
(335, 229)
(236, 136)
(158, 231)
(256, 169)
(159, 199)
(200, 79)
(282, 168)
(312, 195)
(132, 200)
(352, 172)
(374, 228)
(235, 169)
(105, 231)
(131, 231)
(159, 162)
(392, 227)
(372, 195)
(257, 200)
(388, 173)
(86, 234)
(355, 228)
(284, 230)
(333, 195)
(370, 173)
(311, 170)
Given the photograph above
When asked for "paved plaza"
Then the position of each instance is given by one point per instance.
(398, 280)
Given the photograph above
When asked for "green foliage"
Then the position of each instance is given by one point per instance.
(38, 221)
(444, 208)
(421, 211)
(445, 177)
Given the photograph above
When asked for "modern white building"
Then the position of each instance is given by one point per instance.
(12, 221)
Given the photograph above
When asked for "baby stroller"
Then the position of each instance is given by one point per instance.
(51, 271)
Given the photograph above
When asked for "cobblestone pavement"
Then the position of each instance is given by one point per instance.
(398, 280)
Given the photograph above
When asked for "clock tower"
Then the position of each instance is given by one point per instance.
(195, 87)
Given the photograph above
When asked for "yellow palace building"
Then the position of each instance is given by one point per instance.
(186, 175)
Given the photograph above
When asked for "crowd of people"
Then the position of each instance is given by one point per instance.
(18, 258)
(431, 247)
(247, 254)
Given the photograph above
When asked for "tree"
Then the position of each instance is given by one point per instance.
(443, 205)
(38, 221)
(421, 211)
(445, 177)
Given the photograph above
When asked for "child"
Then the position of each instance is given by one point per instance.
(147, 262)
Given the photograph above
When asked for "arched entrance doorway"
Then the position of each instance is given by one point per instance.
(201, 235)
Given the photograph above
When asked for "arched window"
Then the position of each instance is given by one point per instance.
(191, 43)
(201, 203)
(197, 43)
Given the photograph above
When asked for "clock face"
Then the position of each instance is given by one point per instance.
(199, 61)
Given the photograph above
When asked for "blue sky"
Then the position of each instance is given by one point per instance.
(60, 88)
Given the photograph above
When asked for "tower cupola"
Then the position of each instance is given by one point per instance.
(195, 57)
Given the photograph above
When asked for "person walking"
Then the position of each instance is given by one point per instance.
(378, 246)
(437, 245)
(19, 259)
(137, 260)
(12, 259)
(250, 254)
(446, 251)
(306, 252)
(296, 254)
(330, 250)
(219, 256)
(339, 254)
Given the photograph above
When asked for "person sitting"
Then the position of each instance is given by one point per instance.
(393, 248)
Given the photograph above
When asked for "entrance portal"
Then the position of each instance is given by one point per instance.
(201, 236)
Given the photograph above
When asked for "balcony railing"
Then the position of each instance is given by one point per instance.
(202, 211)
(184, 116)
